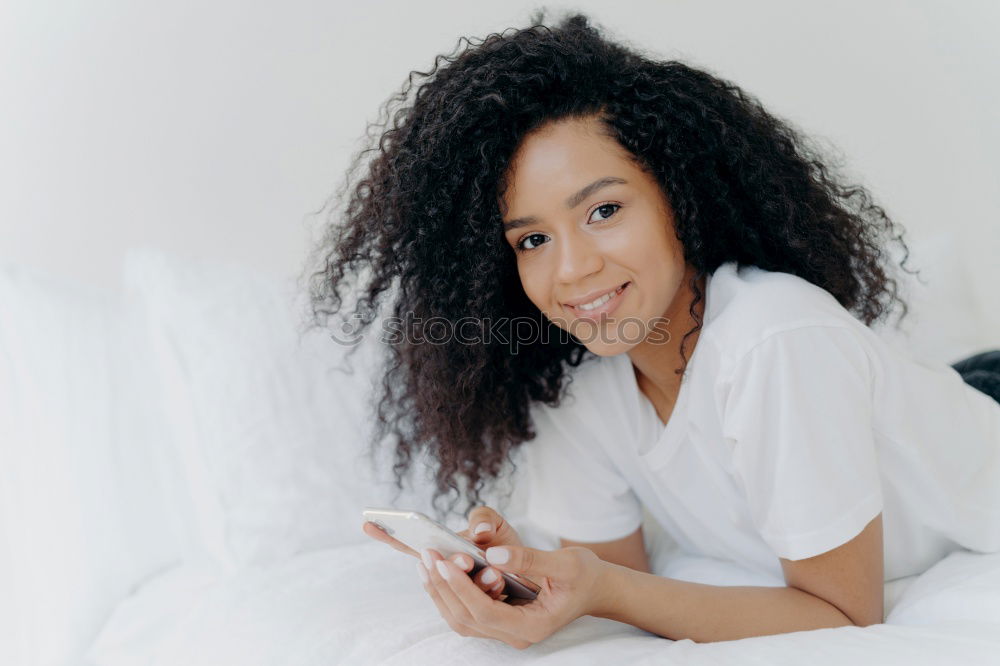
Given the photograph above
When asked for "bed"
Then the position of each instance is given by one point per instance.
(360, 604)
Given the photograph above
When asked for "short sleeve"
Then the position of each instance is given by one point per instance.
(798, 414)
(576, 492)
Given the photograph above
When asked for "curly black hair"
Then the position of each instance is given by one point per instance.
(422, 228)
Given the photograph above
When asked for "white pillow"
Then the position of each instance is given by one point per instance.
(946, 322)
(80, 512)
(271, 435)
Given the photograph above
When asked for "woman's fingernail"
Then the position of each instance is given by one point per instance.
(482, 527)
(423, 572)
(425, 555)
(497, 555)
(442, 569)
(462, 562)
(490, 576)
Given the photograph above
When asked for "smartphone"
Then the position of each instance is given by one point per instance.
(418, 532)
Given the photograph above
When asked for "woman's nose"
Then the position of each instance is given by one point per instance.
(578, 258)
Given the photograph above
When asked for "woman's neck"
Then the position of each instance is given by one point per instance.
(655, 362)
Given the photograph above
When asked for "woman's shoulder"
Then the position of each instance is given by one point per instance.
(748, 305)
(770, 298)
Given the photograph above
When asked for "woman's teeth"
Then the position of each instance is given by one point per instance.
(600, 301)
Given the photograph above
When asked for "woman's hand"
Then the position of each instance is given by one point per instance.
(486, 528)
(573, 581)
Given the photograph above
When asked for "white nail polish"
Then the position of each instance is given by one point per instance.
(482, 527)
(422, 572)
(461, 561)
(490, 576)
(425, 555)
(442, 569)
(497, 555)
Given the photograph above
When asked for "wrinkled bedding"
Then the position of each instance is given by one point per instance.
(363, 604)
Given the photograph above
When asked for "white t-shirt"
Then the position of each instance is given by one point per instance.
(795, 425)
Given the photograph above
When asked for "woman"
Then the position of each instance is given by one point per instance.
(686, 290)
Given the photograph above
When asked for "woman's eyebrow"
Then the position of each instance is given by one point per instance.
(571, 202)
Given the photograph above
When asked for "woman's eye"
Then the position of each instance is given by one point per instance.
(527, 243)
(603, 207)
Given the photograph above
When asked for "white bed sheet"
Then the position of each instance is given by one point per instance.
(362, 604)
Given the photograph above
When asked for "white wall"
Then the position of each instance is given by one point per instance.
(214, 128)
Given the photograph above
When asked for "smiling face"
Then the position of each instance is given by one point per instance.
(594, 237)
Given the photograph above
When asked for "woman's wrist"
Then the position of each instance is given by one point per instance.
(612, 583)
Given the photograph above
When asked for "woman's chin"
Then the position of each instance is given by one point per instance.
(612, 339)
(609, 347)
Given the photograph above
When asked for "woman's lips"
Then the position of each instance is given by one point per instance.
(604, 309)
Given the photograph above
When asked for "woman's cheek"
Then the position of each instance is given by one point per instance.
(535, 290)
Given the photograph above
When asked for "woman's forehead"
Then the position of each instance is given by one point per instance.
(569, 147)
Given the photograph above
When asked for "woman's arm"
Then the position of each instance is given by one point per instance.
(841, 587)
(678, 609)
(849, 578)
